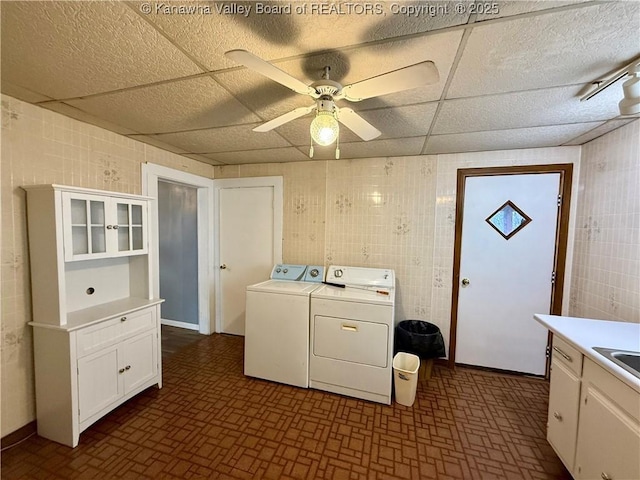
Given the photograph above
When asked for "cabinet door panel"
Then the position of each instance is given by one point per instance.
(99, 382)
(562, 422)
(131, 218)
(84, 226)
(140, 360)
(609, 439)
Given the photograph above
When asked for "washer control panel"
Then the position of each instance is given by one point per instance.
(298, 273)
(283, 271)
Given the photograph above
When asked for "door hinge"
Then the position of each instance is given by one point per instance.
(548, 351)
(559, 200)
(553, 278)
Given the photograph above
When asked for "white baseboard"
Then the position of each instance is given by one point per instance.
(173, 323)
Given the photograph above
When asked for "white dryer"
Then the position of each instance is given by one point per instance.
(276, 342)
(352, 329)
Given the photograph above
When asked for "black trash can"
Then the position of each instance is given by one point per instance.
(421, 338)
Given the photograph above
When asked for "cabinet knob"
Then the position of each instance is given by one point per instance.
(128, 367)
(115, 227)
(605, 476)
(465, 282)
(223, 266)
(109, 227)
(121, 370)
(123, 319)
(557, 416)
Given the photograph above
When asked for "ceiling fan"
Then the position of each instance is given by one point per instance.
(324, 127)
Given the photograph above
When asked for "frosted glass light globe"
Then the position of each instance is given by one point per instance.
(324, 128)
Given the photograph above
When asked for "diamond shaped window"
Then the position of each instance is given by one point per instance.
(508, 220)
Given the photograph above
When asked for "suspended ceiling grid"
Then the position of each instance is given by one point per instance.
(508, 79)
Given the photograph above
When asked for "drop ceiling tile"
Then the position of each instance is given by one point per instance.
(561, 48)
(406, 121)
(272, 155)
(21, 93)
(71, 49)
(207, 36)
(525, 109)
(224, 139)
(202, 158)
(269, 99)
(170, 107)
(157, 143)
(73, 112)
(375, 148)
(487, 10)
(534, 137)
(599, 131)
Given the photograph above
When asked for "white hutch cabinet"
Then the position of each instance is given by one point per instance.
(96, 324)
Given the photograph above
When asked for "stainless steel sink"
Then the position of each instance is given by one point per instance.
(630, 361)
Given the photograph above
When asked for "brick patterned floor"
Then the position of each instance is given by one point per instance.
(210, 421)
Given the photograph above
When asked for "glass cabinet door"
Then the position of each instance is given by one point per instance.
(99, 226)
(131, 227)
(85, 226)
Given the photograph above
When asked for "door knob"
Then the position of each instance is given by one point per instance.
(465, 282)
(223, 267)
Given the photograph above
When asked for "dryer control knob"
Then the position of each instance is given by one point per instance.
(314, 273)
(278, 270)
(337, 273)
(285, 270)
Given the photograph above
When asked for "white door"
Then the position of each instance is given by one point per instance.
(250, 243)
(506, 277)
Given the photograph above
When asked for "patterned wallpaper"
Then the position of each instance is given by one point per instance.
(389, 213)
(606, 267)
(39, 147)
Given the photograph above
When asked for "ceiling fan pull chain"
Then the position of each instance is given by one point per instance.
(311, 148)
(338, 148)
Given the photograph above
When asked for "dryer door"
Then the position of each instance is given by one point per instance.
(351, 340)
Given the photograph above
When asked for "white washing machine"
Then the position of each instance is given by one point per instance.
(352, 329)
(276, 341)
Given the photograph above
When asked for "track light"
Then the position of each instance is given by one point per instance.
(630, 104)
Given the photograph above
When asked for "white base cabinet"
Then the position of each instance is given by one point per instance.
(609, 439)
(594, 418)
(564, 400)
(76, 385)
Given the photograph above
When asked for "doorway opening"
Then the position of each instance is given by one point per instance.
(181, 220)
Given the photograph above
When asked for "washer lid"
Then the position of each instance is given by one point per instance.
(284, 287)
(350, 294)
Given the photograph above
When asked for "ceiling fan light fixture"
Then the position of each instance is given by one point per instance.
(324, 128)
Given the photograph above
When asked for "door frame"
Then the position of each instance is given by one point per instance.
(246, 182)
(151, 174)
(562, 234)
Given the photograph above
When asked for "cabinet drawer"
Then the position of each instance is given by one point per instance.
(566, 354)
(113, 330)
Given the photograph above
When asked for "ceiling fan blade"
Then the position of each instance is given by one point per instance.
(282, 119)
(417, 75)
(259, 65)
(357, 124)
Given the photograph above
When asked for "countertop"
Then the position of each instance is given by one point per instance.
(585, 333)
